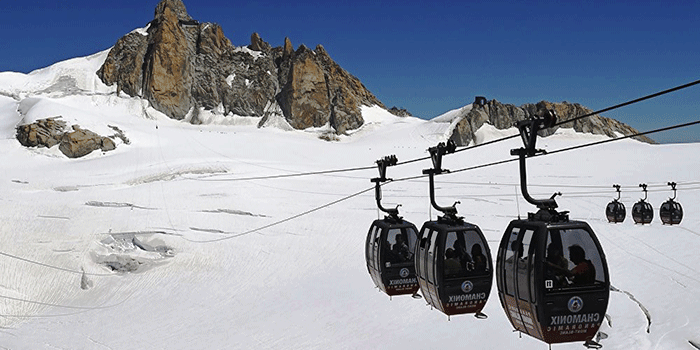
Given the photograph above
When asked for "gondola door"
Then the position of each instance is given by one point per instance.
(425, 266)
(372, 255)
(516, 266)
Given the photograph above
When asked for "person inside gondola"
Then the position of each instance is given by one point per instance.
(557, 265)
(479, 258)
(584, 271)
(452, 264)
(400, 249)
(461, 254)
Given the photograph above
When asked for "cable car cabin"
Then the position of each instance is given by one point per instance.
(551, 273)
(671, 212)
(615, 211)
(553, 280)
(390, 244)
(389, 253)
(642, 212)
(453, 266)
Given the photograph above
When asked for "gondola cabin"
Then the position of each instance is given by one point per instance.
(453, 259)
(453, 265)
(642, 212)
(615, 211)
(553, 280)
(671, 212)
(551, 272)
(390, 246)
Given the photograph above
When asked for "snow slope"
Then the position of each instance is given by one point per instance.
(177, 211)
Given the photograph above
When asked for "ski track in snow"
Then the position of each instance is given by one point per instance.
(115, 205)
(644, 310)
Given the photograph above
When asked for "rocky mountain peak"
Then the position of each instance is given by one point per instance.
(182, 65)
(258, 44)
(174, 7)
(503, 116)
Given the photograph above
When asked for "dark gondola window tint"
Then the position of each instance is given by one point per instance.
(368, 247)
(396, 247)
(432, 247)
(412, 236)
(525, 265)
(509, 260)
(400, 244)
(375, 245)
(581, 265)
(422, 250)
(464, 254)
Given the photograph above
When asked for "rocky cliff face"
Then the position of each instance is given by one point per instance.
(503, 116)
(181, 65)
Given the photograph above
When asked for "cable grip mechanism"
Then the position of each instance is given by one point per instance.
(382, 164)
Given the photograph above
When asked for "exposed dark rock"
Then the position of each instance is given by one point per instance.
(73, 144)
(503, 116)
(258, 44)
(81, 142)
(124, 64)
(43, 133)
(400, 112)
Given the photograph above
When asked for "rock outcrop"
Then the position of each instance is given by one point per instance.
(399, 112)
(79, 142)
(181, 65)
(43, 133)
(503, 116)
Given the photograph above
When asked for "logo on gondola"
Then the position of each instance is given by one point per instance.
(404, 272)
(575, 304)
(467, 286)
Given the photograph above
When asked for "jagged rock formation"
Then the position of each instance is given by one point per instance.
(81, 142)
(181, 65)
(43, 133)
(503, 116)
(50, 132)
(399, 112)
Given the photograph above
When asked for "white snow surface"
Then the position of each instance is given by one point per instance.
(216, 265)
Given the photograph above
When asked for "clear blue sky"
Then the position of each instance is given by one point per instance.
(428, 57)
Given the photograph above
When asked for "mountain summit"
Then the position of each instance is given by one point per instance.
(181, 65)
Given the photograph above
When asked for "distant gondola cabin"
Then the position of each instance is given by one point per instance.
(642, 212)
(671, 212)
(615, 212)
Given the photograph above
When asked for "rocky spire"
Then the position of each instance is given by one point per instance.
(176, 7)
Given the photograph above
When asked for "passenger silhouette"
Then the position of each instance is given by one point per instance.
(452, 265)
(480, 262)
(400, 250)
(584, 271)
(557, 265)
